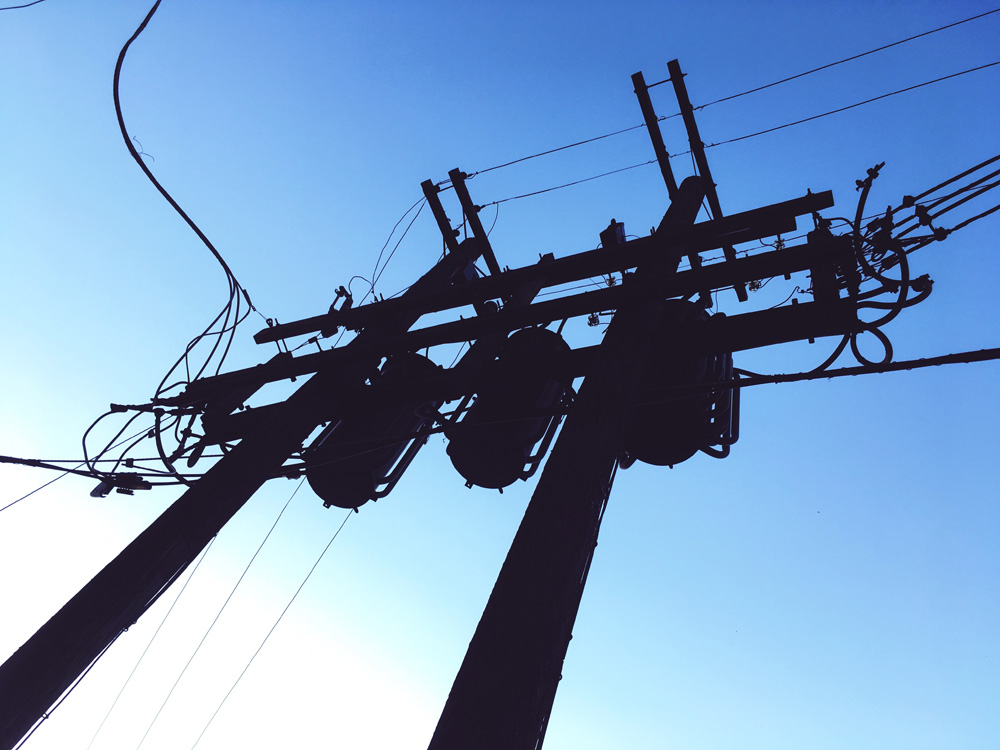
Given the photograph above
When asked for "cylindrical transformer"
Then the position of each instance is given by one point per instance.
(672, 430)
(349, 459)
(514, 408)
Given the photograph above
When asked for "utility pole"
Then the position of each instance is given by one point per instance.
(38, 673)
(504, 691)
(503, 694)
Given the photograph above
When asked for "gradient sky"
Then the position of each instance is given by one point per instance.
(832, 584)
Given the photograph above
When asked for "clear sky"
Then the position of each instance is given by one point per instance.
(832, 584)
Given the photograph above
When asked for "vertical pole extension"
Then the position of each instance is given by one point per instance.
(698, 150)
(653, 126)
(431, 194)
(472, 216)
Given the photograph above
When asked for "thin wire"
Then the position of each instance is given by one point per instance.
(852, 106)
(266, 637)
(48, 714)
(37, 489)
(728, 98)
(389, 239)
(151, 640)
(560, 148)
(751, 135)
(846, 59)
(26, 5)
(398, 242)
(570, 184)
(65, 472)
(219, 613)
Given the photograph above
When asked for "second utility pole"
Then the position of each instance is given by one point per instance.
(503, 694)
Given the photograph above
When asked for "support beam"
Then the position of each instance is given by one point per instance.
(698, 150)
(655, 135)
(684, 283)
(472, 216)
(735, 229)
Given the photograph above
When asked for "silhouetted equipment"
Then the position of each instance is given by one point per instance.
(361, 457)
(514, 411)
(659, 388)
(673, 428)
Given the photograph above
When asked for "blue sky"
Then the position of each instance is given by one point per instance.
(833, 583)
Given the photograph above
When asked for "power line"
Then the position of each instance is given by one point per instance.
(752, 135)
(219, 613)
(560, 148)
(26, 5)
(852, 106)
(570, 184)
(266, 637)
(151, 640)
(730, 97)
(846, 59)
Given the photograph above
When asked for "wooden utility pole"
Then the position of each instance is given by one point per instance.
(48, 664)
(504, 691)
(503, 694)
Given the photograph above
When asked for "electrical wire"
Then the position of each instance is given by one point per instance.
(375, 271)
(48, 714)
(219, 613)
(732, 96)
(275, 625)
(556, 150)
(575, 182)
(852, 106)
(151, 640)
(845, 60)
(422, 203)
(26, 5)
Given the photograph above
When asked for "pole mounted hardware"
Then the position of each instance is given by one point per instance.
(659, 387)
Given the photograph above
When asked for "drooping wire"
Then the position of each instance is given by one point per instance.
(378, 276)
(275, 625)
(375, 271)
(149, 645)
(219, 613)
(221, 330)
(845, 60)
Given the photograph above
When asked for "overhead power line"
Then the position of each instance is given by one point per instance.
(26, 5)
(275, 625)
(852, 106)
(845, 60)
(735, 96)
(754, 135)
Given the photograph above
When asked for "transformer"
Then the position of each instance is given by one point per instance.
(360, 458)
(516, 408)
(678, 411)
